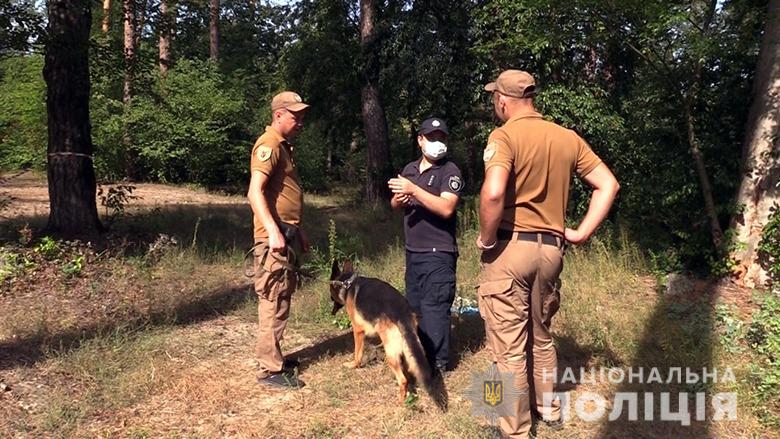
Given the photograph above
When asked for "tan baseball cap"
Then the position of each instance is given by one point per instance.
(289, 100)
(515, 83)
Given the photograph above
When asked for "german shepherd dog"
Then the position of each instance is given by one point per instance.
(376, 308)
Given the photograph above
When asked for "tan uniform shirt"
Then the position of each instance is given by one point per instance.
(541, 158)
(272, 155)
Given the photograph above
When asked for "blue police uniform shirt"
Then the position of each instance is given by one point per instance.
(424, 230)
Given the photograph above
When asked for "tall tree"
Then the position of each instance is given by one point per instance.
(130, 41)
(71, 174)
(690, 99)
(106, 16)
(374, 121)
(759, 192)
(214, 30)
(167, 23)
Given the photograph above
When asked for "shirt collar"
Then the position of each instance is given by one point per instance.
(272, 131)
(436, 165)
(526, 115)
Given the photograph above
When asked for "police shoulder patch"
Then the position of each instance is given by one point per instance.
(490, 151)
(264, 153)
(455, 183)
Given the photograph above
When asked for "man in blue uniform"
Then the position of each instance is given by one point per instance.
(428, 190)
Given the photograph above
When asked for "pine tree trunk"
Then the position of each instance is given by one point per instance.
(167, 23)
(127, 95)
(214, 30)
(374, 120)
(758, 191)
(70, 172)
(106, 16)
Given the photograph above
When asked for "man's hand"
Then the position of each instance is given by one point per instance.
(574, 236)
(402, 199)
(304, 241)
(276, 241)
(401, 185)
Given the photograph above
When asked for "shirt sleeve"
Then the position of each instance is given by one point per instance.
(264, 158)
(587, 160)
(452, 180)
(498, 152)
(407, 171)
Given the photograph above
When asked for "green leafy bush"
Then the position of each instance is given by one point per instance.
(764, 338)
(13, 264)
(769, 247)
(185, 128)
(48, 247)
(23, 131)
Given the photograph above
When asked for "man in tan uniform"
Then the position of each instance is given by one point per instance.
(529, 163)
(277, 203)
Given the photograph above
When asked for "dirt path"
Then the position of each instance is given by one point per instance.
(29, 196)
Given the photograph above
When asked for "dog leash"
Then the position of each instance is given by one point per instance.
(288, 264)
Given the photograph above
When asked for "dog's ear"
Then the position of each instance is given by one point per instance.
(348, 266)
(334, 271)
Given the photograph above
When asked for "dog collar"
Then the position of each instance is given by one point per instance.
(348, 283)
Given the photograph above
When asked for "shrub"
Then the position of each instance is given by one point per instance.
(23, 131)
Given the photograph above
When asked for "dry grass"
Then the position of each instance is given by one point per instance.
(185, 367)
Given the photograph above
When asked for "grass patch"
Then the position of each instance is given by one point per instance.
(142, 347)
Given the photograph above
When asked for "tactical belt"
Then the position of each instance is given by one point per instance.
(546, 238)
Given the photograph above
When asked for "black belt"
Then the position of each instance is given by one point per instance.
(547, 238)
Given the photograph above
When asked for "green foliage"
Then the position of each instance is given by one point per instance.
(769, 246)
(48, 248)
(341, 321)
(764, 338)
(320, 261)
(615, 72)
(330, 84)
(21, 23)
(13, 264)
(730, 328)
(722, 266)
(115, 199)
(74, 266)
(335, 253)
(23, 134)
(183, 129)
(583, 109)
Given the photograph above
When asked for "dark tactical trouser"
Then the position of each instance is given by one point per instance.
(430, 290)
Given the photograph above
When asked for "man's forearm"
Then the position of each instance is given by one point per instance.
(490, 213)
(600, 203)
(437, 204)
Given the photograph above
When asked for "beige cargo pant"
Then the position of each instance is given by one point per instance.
(518, 295)
(274, 287)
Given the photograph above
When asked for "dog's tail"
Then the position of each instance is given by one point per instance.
(418, 366)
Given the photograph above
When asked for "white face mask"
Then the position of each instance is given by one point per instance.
(434, 150)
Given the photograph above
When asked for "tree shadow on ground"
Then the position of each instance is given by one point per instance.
(679, 334)
(29, 350)
(219, 228)
(214, 231)
(468, 336)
